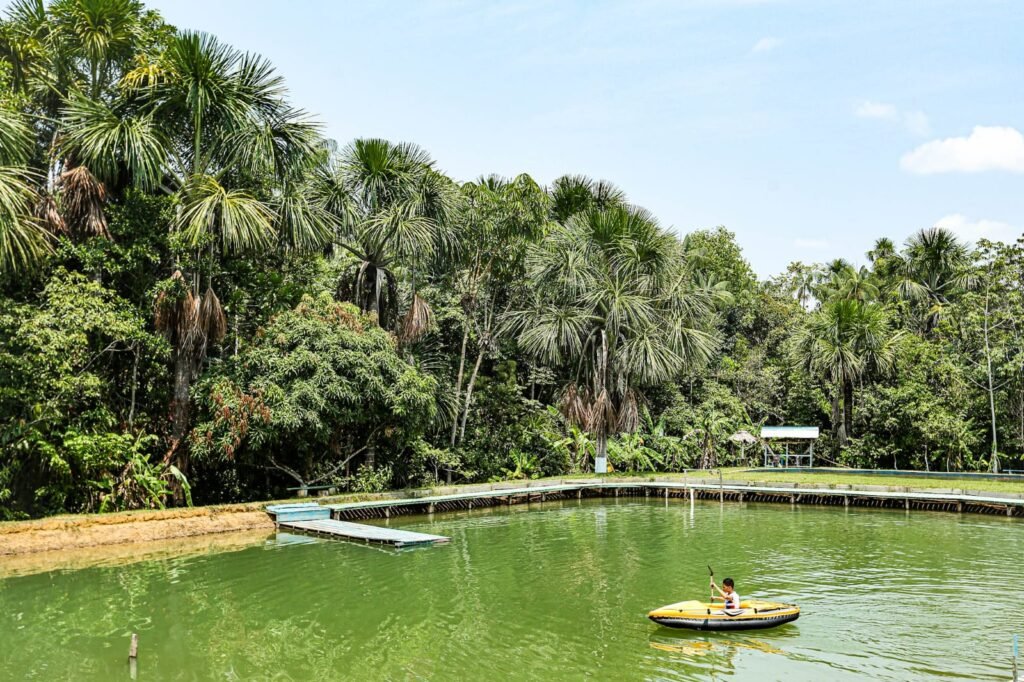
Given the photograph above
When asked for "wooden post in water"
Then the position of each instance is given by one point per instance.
(721, 488)
(1016, 645)
(133, 656)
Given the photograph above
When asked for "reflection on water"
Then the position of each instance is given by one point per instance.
(559, 591)
(688, 646)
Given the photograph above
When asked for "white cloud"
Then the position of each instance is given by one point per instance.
(973, 230)
(869, 109)
(766, 44)
(916, 122)
(810, 244)
(986, 148)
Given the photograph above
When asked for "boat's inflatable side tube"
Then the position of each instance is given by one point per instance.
(768, 621)
(753, 615)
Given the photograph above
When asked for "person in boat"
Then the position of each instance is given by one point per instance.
(728, 594)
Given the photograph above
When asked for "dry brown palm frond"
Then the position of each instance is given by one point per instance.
(176, 313)
(575, 405)
(629, 412)
(189, 333)
(84, 197)
(602, 413)
(47, 212)
(211, 317)
(417, 321)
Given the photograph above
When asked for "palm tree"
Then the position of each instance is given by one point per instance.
(572, 194)
(884, 263)
(99, 37)
(615, 310)
(931, 272)
(841, 342)
(394, 209)
(883, 248)
(852, 283)
(66, 50)
(23, 240)
(210, 126)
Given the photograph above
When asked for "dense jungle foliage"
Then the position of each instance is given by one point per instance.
(203, 299)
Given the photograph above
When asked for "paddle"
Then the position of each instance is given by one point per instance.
(712, 582)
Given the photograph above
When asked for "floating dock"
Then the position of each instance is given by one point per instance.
(316, 519)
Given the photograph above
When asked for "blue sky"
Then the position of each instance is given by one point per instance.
(807, 127)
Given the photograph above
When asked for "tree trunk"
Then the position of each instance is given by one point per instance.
(994, 463)
(601, 453)
(135, 386)
(373, 296)
(469, 392)
(837, 425)
(180, 416)
(458, 384)
(847, 411)
(601, 456)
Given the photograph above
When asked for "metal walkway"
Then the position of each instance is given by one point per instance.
(314, 518)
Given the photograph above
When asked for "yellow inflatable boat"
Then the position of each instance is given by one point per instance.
(752, 615)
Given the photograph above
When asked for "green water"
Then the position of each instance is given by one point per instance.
(556, 591)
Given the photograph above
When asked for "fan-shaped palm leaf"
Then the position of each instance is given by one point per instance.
(15, 138)
(23, 239)
(111, 143)
(236, 218)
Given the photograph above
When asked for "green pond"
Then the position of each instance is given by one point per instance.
(550, 591)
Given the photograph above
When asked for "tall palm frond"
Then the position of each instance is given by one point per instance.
(15, 138)
(113, 143)
(572, 194)
(23, 238)
(99, 32)
(235, 218)
(23, 42)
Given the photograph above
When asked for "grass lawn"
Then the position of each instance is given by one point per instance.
(908, 480)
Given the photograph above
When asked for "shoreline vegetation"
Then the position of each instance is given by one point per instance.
(79, 540)
(205, 301)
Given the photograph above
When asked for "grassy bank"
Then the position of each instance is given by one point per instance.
(922, 483)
